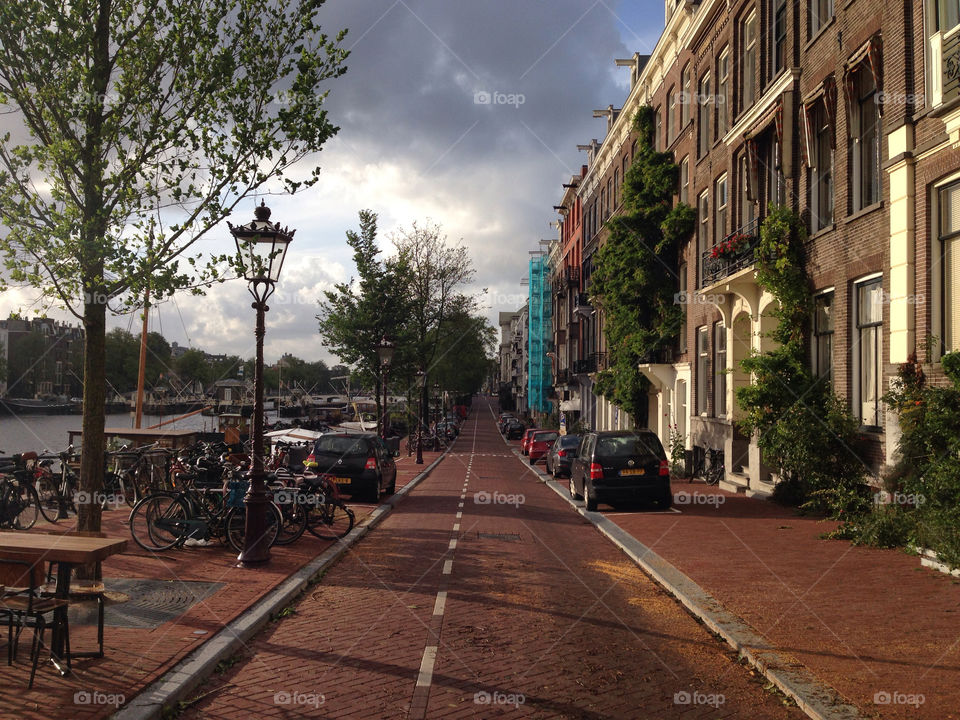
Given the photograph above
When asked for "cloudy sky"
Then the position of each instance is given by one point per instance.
(415, 144)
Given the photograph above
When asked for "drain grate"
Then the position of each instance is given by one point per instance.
(144, 603)
(505, 537)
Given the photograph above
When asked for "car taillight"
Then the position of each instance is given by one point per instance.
(596, 471)
(664, 467)
(562, 453)
(371, 464)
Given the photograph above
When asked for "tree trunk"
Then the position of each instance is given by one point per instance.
(94, 403)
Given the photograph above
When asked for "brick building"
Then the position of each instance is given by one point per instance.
(848, 112)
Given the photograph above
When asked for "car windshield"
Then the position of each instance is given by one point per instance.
(569, 441)
(341, 445)
(629, 446)
(545, 436)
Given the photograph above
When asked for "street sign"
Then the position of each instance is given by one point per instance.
(563, 423)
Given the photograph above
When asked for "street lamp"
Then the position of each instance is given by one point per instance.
(421, 378)
(436, 396)
(385, 351)
(262, 246)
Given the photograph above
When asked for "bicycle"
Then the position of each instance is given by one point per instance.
(328, 516)
(19, 504)
(166, 519)
(708, 465)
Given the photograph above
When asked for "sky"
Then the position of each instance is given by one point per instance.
(466, 114)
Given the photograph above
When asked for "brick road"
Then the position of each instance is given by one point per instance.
(137, 657)
(484, 595)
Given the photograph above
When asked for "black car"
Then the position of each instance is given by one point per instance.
(359, 463)
(503, 420)
(621, 465)
(514, 429)
(560, 457)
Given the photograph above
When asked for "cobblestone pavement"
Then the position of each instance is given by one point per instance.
(484, 595)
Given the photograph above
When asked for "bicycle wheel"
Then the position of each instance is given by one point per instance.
(26, 506)
(127, 488)
(158, 521)
(46, 487)
(714, 473)
(236, 526)
(294, 523)
(330, 521)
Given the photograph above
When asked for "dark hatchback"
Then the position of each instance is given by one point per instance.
(359, 463)
(560, 457)
(514, 429)
(621, 465)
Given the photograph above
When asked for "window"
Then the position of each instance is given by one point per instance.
(720, 368)
(720, 205)
(626, 166)
(616, 188)
(820, 177)
(946, 14)
(748, 209)
(685, 97)
(682, 283)
(778, 52)
(603, 205)
(723, 84)
(703, 235)
(671, 115)
(949, 202)
(703, 352)
(821, 11)
(748, 60)
(703, 100)
(773, 170)
(865, 140)
(823, 335)
(657, 129)
(685, 180)
(868, 350)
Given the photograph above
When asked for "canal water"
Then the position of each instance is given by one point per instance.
(49, 432)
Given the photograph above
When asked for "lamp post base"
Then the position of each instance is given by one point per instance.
(256, 545)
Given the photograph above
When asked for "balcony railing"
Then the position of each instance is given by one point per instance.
(732, 254)
(592, 363)
(573, 276)
(563, 376)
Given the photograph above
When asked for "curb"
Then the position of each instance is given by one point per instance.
(817, 699)
(192, 670)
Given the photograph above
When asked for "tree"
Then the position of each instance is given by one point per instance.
(147, 123)
(357, 315)
(466, 343)
(634, 281)
(437, 272)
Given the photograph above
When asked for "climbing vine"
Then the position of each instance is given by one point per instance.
(634, 280)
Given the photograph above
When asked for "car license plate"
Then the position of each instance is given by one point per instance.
(633, 471)
(337, 480)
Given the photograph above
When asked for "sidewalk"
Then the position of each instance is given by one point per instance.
(177, 601)
(873, 624)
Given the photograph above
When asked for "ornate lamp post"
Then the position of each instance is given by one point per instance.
(385, 351)
(262, 246)
(436, 397)
(421, 378)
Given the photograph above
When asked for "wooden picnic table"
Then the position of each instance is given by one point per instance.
(67, 551)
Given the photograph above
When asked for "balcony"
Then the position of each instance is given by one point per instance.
(592, 363)
(731, 255)
(563, 376)
(582, 305)
(573, 276)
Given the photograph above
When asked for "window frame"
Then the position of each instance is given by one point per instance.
(821, 335)
(947, 305)
(821, 188)
(865, 158)
(778, 37)
(723, 93)
(720, 369)
(815, 20)
(703, 115)
(703, 369)
(866, 334)
(721, 203)
(747, 94)
(685, 180)
(703, 231)
(671, 115)
(685, 98)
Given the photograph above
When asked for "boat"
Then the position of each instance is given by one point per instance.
(28, 406)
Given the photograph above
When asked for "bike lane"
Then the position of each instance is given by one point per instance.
(484, 595)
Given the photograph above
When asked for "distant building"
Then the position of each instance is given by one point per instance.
(43, 358)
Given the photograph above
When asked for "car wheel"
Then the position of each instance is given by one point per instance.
(573, 490)
(590, 497)
(665, 500)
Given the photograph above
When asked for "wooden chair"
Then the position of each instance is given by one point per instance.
(21, 602)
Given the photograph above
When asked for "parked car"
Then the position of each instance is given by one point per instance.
(621, 465)
(514, 429)
(561, 455)
(503, 420)
(525, 440)
(540, 443)
(359, 463)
